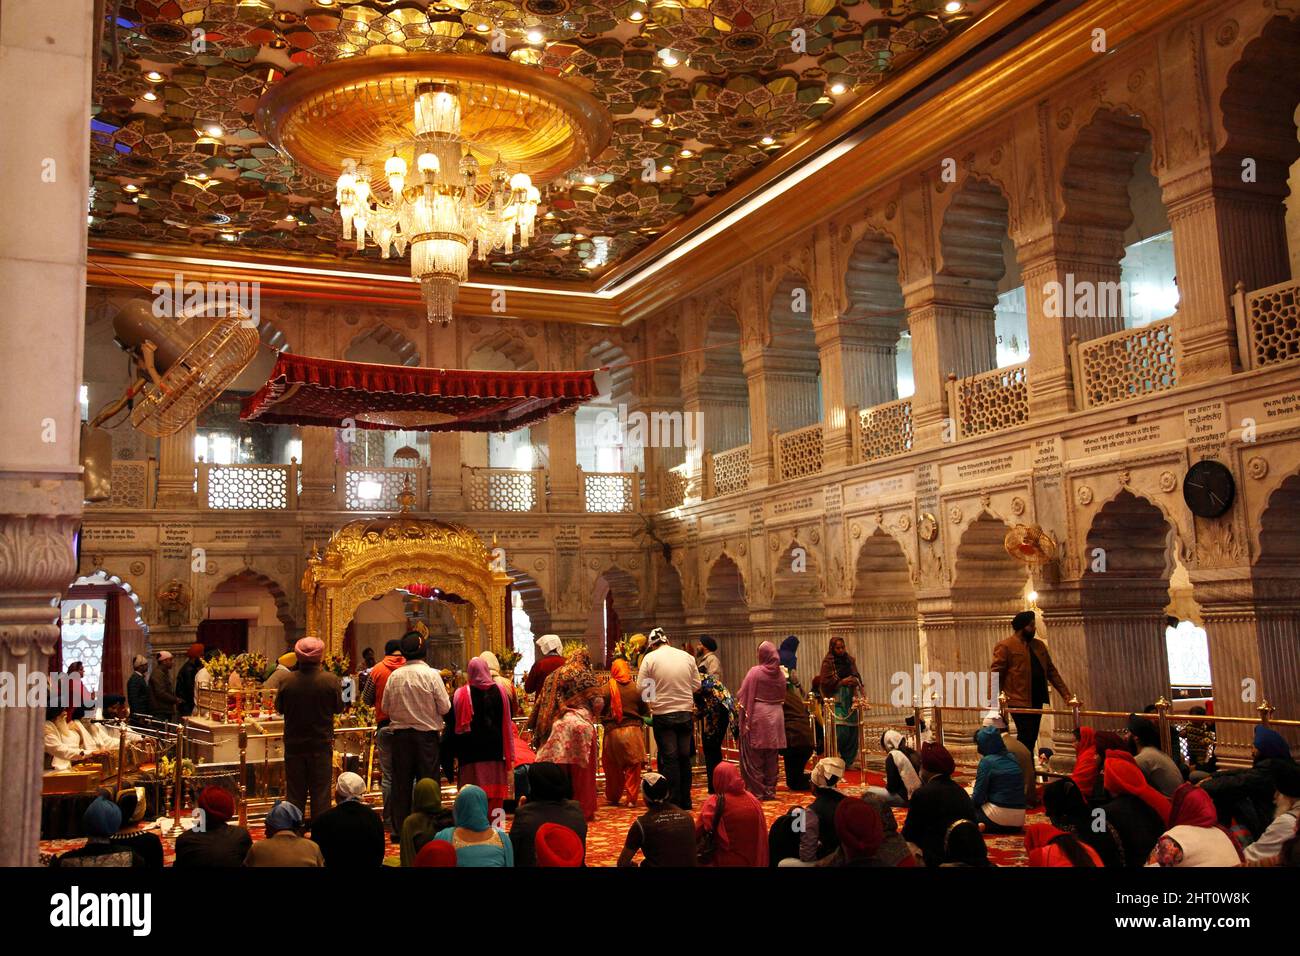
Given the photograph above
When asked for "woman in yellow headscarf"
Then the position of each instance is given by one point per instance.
(624, 752)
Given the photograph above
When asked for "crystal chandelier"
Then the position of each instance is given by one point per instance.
(438, 212)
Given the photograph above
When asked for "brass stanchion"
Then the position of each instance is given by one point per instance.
(1075, 707)
(1002, 710)
(243, 775)
(1162, 720)
(861, 706)
(121, 760)
(1265, 712)
(177, 797)
(830, 727)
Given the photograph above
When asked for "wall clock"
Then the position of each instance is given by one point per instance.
(928, 527)
(1208, 488)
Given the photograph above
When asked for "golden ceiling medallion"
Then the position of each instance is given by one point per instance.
(357, 108)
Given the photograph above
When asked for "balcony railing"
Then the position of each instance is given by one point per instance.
(885, 430)
(1268, 323)
(989, 402)
(1124, 365)
(504, 489)
(674, 487)
(132, 485)
(726, 472)
(248, 487)
(611, 492)
(378, 489)
(799, 453)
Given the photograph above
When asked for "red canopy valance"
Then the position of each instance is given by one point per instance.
(313, 391)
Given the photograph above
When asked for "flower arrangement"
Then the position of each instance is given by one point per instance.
(509, 659)
(220, 666)
(360, 714)
(631, 649)
(572, 645)
(167, 768)
(340, 665)
(251, 666)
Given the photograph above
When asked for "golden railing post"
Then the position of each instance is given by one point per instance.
(814, 717)
(1265, 712)
(176, 778)
(832, 747)
(1075, 707)
(1003, 715)
(243, 775)
(862, 707)
(1162, 720)
(121, 757)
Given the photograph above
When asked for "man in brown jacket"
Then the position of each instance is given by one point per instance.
(308, 700)
(1024, 668)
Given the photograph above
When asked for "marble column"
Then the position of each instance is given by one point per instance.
(561, 440)
(176, 470)
(45, 46)
(1224, 232)
(318, 469)
(952, 332)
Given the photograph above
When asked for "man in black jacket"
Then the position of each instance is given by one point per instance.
(936, 805)
(309, 699)
(137, 689)
(185, 679)
(213, 842)
(350, 835)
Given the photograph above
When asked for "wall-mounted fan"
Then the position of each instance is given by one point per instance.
(1030, 544)
(182, 364)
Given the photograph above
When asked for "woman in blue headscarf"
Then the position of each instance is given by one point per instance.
(477, 842)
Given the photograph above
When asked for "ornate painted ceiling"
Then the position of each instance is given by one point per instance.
(738, 80)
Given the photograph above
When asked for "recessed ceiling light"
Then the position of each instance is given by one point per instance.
(131, 187)
(215, 130)
(149, 95)
(228, 236)
(686, 154)
(536, 36)
(838, 88)
(636, 16)
(953, 6)
(589, 180)
(203, 175)
(291, 217)
(668, 57)
(767, 140)
(483, 27)
(666, 168)
(657, 121)
(153, 76)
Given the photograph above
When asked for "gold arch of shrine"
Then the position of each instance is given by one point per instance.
(369, 557)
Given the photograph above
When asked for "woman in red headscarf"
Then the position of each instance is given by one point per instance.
(1194, 837)
(1137, 811)
(733, 819)
(624, 752)
(479, 738)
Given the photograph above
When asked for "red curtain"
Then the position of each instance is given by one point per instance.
(111, 663)
(228, 636)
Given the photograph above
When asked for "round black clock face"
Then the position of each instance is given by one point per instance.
(1208, 488)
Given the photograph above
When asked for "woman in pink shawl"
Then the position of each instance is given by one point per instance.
(760, 708)
(479, 739)
(573, 745)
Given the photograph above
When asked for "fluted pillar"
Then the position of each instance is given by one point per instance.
(1224, 231)
(318, 469)
(44, 157)
(176, 470)
(562, 443)
(952, 332)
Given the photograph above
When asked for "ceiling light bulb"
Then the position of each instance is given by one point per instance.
(427, 163)
(838, 88)
(767, 140)
(483, 27)
(668, 57)
(536, 36)
(291, 218)
(203, 175)
(686, 154)
(153, 76)
(215, 130)
(131, 187)
(953, 6)
(657, 121)
(666, 168)
(150, 95)
(589, 180)
(636, 16)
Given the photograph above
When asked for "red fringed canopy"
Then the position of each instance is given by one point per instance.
(313, 391)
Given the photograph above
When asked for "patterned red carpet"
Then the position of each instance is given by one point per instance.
(606, 833)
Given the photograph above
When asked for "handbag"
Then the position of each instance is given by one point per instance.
(706, 844)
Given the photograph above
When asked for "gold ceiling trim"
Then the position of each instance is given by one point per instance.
(358, 107)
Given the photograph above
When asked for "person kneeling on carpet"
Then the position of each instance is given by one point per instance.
(999, 793)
